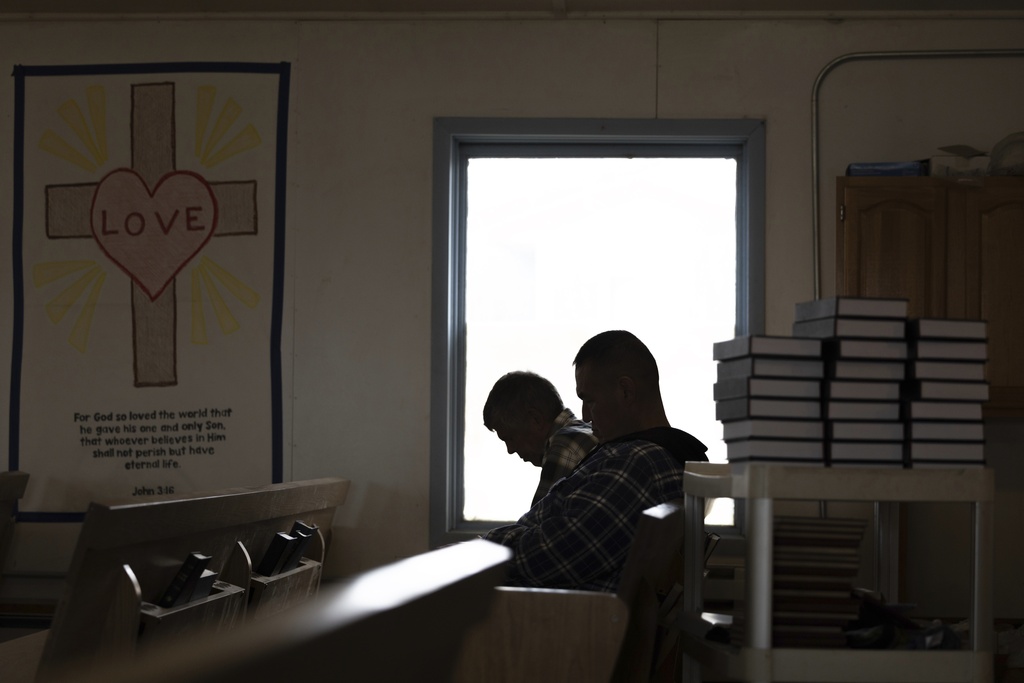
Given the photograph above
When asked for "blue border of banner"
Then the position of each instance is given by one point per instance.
(283, 71)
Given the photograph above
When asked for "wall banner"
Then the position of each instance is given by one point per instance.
(148, 256)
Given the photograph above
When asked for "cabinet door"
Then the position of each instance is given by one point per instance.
(994, 265)
(892, 241)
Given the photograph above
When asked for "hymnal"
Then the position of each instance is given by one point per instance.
(742, 408)
(935, 349)
(943, 450)
(866, 451)
(276, 555)
(944, 328)
(204, 586)
(867, 369)
(845, 390)
(943, 410)
(769, 387)
(766, 345)
(759, 366)
(862, 410)
(773, 449)
(860, 328)
(304, 533)
(181, 587)
(889, 349)
(932, 390)
(851, 306)
(946, 431)
(772, 429)
(971, 371)
(892, 430)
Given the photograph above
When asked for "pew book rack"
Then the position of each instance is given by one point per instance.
(760, 485)
(128, 553)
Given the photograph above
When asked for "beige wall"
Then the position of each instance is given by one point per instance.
(364, 94)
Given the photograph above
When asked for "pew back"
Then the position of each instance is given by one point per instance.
(12, 488)
(536, 635)
(400, 622)
(131, 551)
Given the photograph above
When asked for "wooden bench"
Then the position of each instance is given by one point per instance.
(534, 635)
(401, 622)
(128, 553)
(12, 488)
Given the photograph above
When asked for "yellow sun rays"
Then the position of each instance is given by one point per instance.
(95, 141)
(85, 280)
(89, 284)
(203, 277)
(213, 153)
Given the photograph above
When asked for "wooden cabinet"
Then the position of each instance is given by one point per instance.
(953, 248)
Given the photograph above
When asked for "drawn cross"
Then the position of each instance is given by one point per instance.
(68, 215)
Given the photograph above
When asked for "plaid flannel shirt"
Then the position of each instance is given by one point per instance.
(570, 441)
(579, 534)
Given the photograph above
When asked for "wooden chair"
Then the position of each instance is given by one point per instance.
(12, 488)
(400, 622)
(127, 554)
(535, 635)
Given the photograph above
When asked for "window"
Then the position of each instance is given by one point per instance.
(512, 289)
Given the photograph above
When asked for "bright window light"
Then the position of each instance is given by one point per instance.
(559, 249)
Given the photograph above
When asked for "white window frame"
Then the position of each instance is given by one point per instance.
(458, 139)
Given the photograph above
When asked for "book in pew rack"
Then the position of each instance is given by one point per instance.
(286, 549)
(304, 533)
(277, 554)
(185, 580)
(204, 585)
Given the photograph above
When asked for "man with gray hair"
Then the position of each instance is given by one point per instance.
(527, 413)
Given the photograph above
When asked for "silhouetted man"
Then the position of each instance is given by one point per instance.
(579, 534)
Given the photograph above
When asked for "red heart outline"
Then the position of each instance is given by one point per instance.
(151, 260)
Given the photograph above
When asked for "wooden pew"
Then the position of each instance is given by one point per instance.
(12, 488)
(128, 553)
(536, 635)
(400, 622)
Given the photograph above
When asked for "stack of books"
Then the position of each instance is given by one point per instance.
(768, 397)
(945, 390)
(816, 562)
(865, 350)
(858, 383)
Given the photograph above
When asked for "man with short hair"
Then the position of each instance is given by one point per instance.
(578, 536)
(526, 412)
